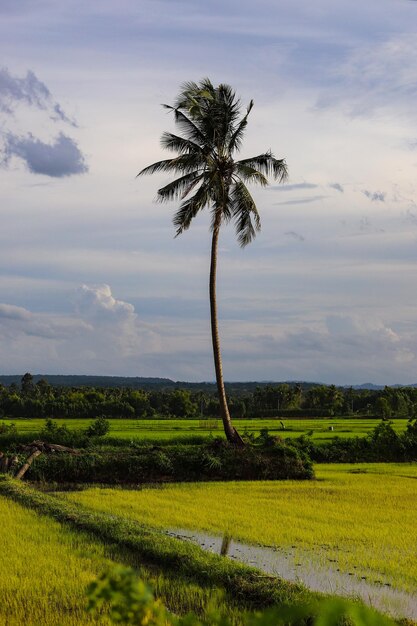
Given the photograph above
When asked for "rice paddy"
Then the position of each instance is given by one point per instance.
(359, 519)
(46, 568)
(353, 520)
(319, 429)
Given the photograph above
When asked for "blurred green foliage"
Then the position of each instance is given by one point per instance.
(131, 601)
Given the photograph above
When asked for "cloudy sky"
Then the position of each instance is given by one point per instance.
(92, 280)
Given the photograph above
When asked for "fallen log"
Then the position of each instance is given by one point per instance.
(34, 449)
(48, 448)
(28, 463)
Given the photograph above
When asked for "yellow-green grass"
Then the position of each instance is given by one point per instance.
(318, 428)
(46, 569)
(362, 516)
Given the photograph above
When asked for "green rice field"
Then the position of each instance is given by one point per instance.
(47, 567)
(358, 518)
(319, 429)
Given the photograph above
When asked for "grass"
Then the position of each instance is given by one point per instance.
(47, 566)
(360, 517)
(50, 558)
(187, 566)
(45, 569)
(179, 428)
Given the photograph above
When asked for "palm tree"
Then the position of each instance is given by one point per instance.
(211, 132)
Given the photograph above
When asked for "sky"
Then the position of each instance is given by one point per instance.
(92, 280)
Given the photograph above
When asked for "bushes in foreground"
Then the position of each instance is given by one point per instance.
(132, 602)
(216, 460)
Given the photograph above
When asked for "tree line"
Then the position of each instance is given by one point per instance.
(43, 400)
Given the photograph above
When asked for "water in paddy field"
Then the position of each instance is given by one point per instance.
(291, 565)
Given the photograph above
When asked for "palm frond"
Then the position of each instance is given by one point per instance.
(220, 196)
(214, 111)
(235, 142)
(250, 174)
(179, 188)
(189, 209)
(184, 164)
(245, 213)
(268, 165)
(190, 128)
(192, 91)
(188, 87)
(169, 141)
(159, 166)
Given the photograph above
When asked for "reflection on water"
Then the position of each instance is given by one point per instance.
(298, 567)
(224, 548)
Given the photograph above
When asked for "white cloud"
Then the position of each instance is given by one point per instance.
(344, 349)
(112, 66)
(294, 235)
(9, 311)
(366, 331)
(29, 91)
(19, 99)
(58, 159)
(103, 334)
(375, 196)
(292, 187)
(106, 335)
(97, 302)
(376, 76)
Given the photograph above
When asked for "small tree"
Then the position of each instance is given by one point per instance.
(99, 428)
(382, 407)
(181, 405)
(27, 385)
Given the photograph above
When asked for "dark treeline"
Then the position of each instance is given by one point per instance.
(43, 400)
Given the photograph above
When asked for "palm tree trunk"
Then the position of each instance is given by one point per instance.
(231, 433)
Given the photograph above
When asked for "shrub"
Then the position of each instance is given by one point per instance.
(132, 602)
(99, 428)
(216, 460)
(410, 439)
(8, 429)
(385, 440)
(53, 433)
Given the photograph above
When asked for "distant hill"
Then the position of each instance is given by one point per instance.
(369, 386)
(373, 387)
(75, 380)
(138, 382)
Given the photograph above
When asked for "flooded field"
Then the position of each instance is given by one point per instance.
(355, 522)
(296, 566)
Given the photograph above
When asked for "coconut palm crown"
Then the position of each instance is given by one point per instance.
(211, 129)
